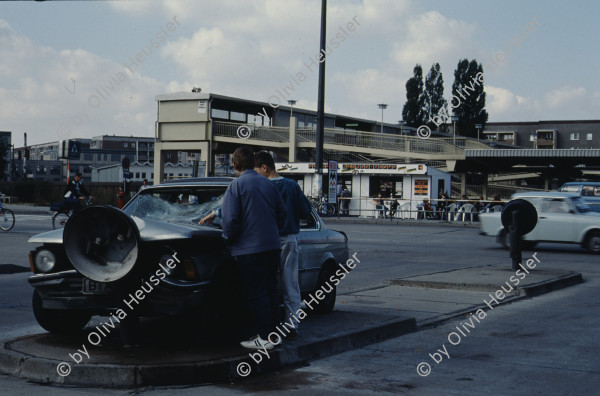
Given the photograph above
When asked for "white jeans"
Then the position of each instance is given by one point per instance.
(288, 276)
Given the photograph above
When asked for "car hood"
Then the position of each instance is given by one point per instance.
(150, 231)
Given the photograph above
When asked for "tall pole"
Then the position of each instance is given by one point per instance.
(318, 181)
(382, 106)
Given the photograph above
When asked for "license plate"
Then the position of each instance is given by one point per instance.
(93, 287)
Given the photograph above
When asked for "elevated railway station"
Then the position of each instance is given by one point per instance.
(212, 125)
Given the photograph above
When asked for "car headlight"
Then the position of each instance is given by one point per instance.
(45, 260)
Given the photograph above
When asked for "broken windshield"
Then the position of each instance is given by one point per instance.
(182, 205)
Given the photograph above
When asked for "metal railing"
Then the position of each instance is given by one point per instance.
(441, 209)
(361, 139)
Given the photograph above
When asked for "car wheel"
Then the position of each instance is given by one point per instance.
(58, 320)
(326, 305)
(592, 242)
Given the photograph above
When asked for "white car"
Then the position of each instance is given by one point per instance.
(562, 217)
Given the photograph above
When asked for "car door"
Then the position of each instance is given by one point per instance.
(555, 220)
(312, 242)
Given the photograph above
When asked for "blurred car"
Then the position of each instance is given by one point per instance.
(588, 191)
(104, 253)
(562, 217)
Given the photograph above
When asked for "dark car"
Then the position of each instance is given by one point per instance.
(155, 244)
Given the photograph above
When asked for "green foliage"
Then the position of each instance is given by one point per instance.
(413, 111)
(468, 100)
(434, 94)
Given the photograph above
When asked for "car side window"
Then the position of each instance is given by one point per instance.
(555, 205)
(309, 223)
(587, 191)
(597, 191)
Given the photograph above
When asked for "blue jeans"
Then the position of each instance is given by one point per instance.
(258, 274)
(288, 276)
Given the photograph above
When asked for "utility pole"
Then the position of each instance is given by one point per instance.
(318, 181)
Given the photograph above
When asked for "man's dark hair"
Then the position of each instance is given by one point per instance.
(78, 174)
(264, 158)
(243, 158)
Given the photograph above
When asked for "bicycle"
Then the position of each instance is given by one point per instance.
(322, 207)
(7, 217)
(64, 211)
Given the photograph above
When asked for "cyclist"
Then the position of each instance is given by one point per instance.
(75, 192)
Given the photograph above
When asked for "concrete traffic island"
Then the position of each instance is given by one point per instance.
(175, 353)
(172, 356)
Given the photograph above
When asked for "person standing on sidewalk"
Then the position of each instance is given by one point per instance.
(297, 207)
(252, 214)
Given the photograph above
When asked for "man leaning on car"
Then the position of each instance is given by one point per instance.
(252, 214)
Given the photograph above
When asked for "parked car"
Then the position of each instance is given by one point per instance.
(562, 217)
(588, 191)
(103, 253)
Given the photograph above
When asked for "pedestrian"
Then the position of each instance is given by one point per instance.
(252, 214)
(144, 185)
(345, 204)
(297, 207)
(121, 198)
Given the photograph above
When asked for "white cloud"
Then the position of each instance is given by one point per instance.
(35, 97)
(430, 38)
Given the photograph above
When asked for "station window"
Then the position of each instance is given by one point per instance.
(588, 136)
(574, 136)
(223, 114)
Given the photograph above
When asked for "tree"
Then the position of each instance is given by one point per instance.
(413, 111)
(468, 97)
(3, 162)
(435, 104)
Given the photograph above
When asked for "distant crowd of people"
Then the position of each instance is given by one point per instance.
(440, 208)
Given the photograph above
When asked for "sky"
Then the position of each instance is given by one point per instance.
(69, 69)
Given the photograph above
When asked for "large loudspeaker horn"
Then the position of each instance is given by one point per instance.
(102, 243)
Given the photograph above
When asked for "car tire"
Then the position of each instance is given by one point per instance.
(592, 242)
(328, 303)
(58, 320)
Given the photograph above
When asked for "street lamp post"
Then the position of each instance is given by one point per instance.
(382, 106)
(402, 124)
(454, 119)
(291, 102)
(478, 126)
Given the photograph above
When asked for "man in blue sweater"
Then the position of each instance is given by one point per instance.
(252, 214)
(297, 207)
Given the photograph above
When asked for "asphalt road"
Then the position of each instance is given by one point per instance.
(545, 345)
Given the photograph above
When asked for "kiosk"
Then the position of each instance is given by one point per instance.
(405, 183)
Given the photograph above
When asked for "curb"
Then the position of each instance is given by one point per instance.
(223, 370)
(531, 290)
(536, 289)
(425, 223)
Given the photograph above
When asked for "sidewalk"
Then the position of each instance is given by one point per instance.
(31, 209)
(174, 354)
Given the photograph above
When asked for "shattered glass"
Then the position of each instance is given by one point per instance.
(181, 205)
